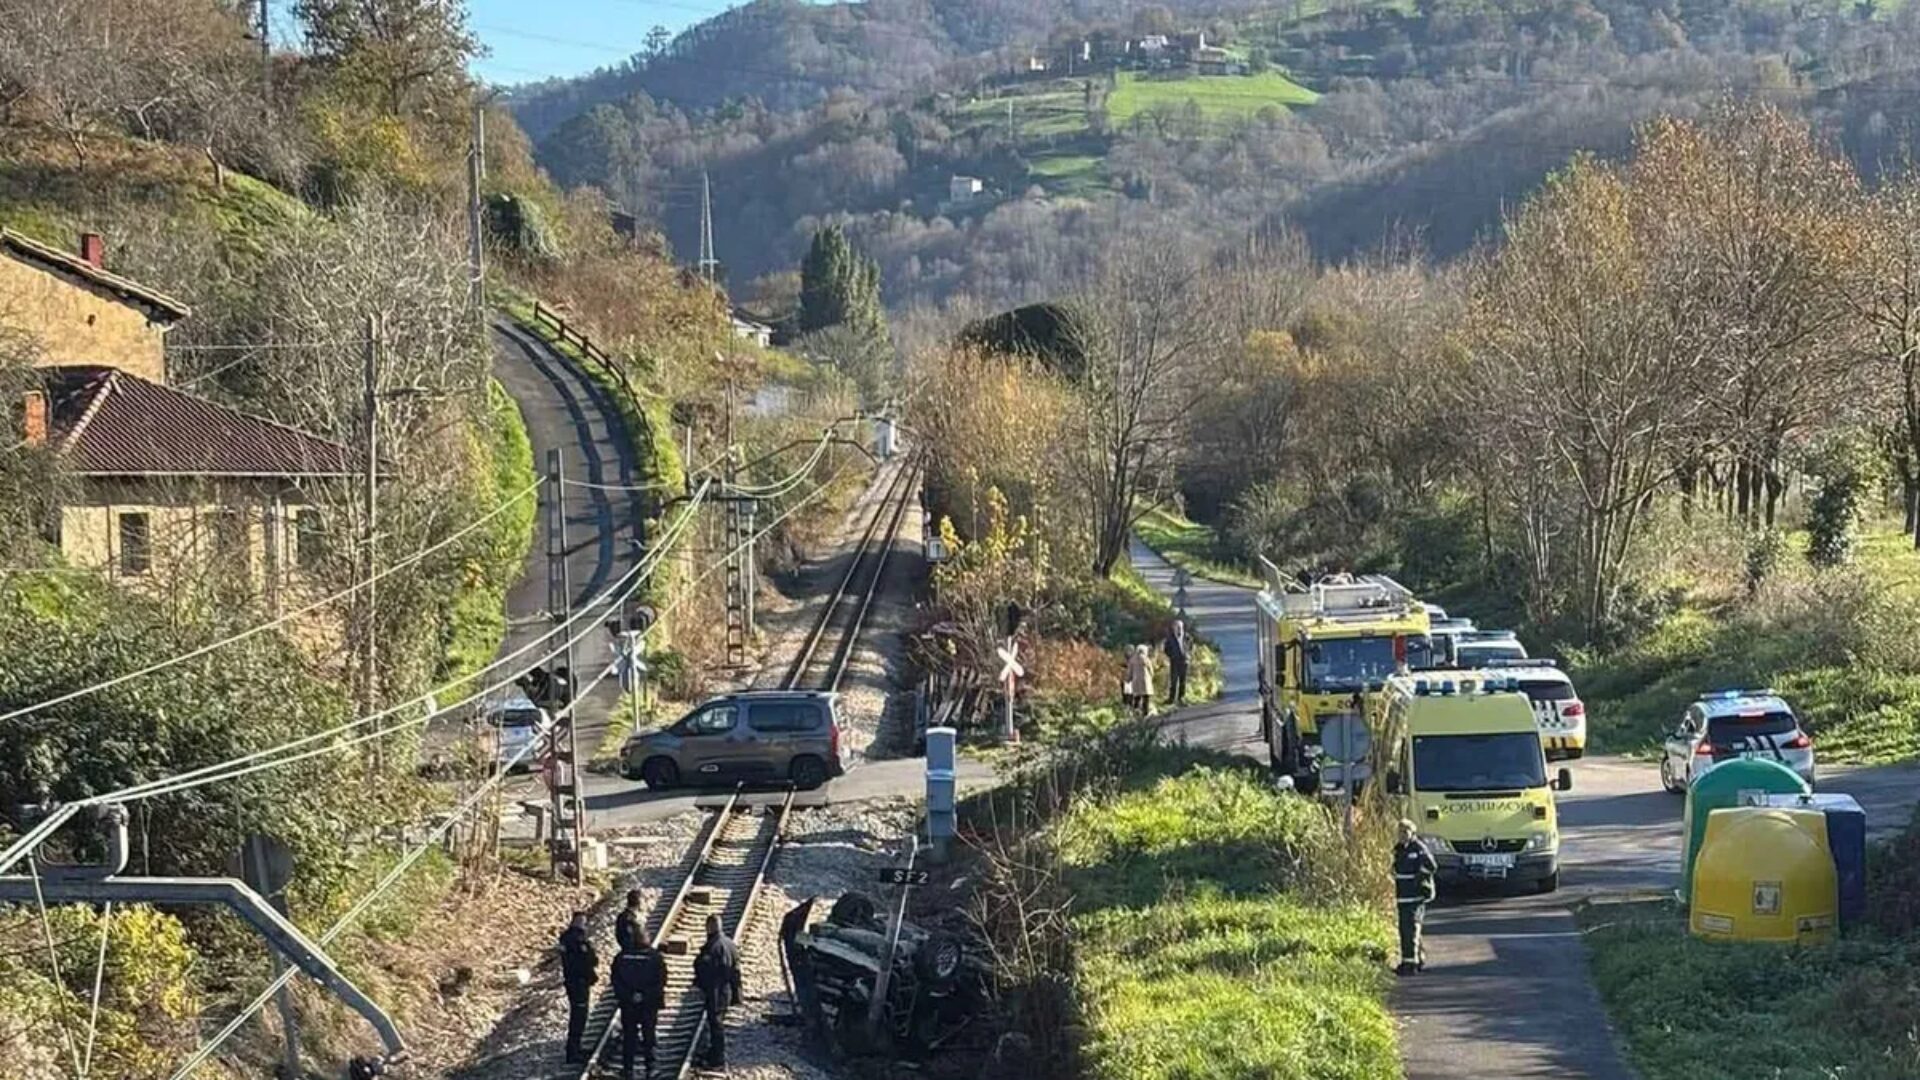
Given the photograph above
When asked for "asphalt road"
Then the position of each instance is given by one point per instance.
(566, 410)
(1507, 992)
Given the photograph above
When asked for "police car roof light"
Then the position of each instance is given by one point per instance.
(1737, 692)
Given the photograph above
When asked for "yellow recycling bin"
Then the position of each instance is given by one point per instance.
(1765, 874)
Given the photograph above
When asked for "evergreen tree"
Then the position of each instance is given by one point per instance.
(840, 287)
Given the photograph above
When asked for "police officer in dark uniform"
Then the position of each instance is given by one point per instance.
(716, 975)
(629, 928)
(640, 983)
(1413, 870)
(579, 967)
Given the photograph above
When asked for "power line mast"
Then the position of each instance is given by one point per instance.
(709, 264)
(266, 62)
(476, 171)
(563, 777)
(737, 565)
(370, 510)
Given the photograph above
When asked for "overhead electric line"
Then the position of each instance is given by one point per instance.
(247, 764)
(465, 807)
(194, 654)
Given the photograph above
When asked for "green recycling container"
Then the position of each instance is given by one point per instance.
(1742, 782)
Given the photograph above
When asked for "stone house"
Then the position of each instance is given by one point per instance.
(162, 483)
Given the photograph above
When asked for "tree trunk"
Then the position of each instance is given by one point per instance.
(1684, 480)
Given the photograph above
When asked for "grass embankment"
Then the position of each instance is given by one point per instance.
(1696, 1010)
(1193, 547)
(476, 621)
(1842, 646)
(1220, 97)
(1079, 665)
(1217, 930)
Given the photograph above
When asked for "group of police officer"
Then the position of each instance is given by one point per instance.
(639, 978)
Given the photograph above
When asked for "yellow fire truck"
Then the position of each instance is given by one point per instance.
(1326, 649)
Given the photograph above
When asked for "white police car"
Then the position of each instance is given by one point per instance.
(1557, 707)
(1728, 725)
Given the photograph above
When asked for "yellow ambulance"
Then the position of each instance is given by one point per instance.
(1462, 760)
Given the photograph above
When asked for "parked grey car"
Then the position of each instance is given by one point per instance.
(753, 736)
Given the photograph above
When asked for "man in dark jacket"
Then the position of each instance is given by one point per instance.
(579, 967)
(716, 975)
(629, 928)
(640, 984)
(1177, 655)
(1413, 870)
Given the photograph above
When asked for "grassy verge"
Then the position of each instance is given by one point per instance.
(1838, 644)
(1210, 939)
(476, 621)
(1191, 546)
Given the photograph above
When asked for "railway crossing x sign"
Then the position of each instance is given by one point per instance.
(1010, 668)
(1010, 672)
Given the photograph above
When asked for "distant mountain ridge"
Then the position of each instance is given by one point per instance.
(984, 151)
(791, 54)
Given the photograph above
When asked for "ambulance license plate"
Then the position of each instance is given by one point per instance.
(1489, 862)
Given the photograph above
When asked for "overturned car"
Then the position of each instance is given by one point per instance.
(934, 987)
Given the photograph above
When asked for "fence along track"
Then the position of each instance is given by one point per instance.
(727, 875)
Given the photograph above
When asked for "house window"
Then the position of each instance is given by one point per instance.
(136, 544)
(309, 539)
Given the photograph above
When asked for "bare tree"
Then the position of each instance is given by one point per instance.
(1749, 208)
(1579, 384)
(1145, 327)
(1881, 290)
(152, 66)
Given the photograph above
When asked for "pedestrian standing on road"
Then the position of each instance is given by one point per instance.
(628, 928)
(639, 980)
(579, 967)
(1139, 688)
(1177, 655)
(1413, 870)
(716, 975)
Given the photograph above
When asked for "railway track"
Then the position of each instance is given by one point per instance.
(730, 867)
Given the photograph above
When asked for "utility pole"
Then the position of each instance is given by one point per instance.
(266, 62)
(476, 171)
(569, 812)
(708, 262)
(370, 484)
(736, 583)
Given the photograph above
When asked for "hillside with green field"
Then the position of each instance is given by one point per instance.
(1218, 97)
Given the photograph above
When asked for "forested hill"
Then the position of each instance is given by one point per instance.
(1369, 122)
(790, 54)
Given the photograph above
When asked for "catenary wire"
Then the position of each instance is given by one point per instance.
(99, 976)
(255, 762)
(281, 620)
(53, 958)
(473, 800)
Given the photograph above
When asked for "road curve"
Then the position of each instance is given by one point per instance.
(566, 410)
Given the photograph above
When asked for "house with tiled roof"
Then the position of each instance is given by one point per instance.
(161, 480)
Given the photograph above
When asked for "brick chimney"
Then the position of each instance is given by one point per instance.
(93, 248)
(34, 418)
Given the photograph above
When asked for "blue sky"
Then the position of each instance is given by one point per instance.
(532, 39)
